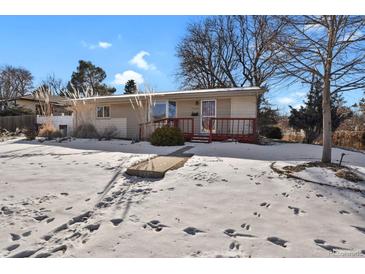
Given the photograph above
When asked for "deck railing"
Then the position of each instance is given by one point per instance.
(237, 129)
(219, 129)
(186, 125)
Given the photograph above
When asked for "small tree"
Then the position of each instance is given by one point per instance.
(130, 87)
(268, 116)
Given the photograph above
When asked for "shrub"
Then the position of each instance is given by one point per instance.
(167, 136)
(49, 131)
(15, 111)
(363, 139)
(109, 133)
(272, 132)
(30, 134)
(86, 131)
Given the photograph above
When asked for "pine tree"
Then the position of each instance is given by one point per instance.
(89, 77)
(130, 87)
(309, 117)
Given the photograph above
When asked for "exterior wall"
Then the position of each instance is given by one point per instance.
(67, 120)
(235, 107)
(125, 110)
(244, 106)
(122, 116)
(185, 108)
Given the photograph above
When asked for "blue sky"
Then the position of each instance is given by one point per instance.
(124, 46)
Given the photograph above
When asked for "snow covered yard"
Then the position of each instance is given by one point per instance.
(72, 199)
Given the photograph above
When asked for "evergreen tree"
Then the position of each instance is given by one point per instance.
(309, 117)
(89, 78)
(268, 116)
(130, 87)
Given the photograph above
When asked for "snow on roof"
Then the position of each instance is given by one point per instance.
(182, 92)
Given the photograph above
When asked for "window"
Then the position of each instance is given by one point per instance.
(161, 110)
(103, 112)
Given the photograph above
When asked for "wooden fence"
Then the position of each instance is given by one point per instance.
(11, 123)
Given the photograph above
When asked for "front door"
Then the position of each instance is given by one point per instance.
(208, 110)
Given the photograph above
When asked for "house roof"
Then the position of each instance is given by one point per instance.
(31, 97)
(182, 94)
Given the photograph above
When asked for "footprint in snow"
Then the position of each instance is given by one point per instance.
(117, 221)
(344, 212)
(234, 245)
(278, 241)
(155, 225)
(92, 227)
(50, 220)
(265, 204)
(285, 194)
(26, 234)
(246, 226)
(192, 230)
(296, 210)
(361, 229)
(328, 247)
(40, 218)
(232, 233)
(257, 214)
(12, 247)
(14, 237)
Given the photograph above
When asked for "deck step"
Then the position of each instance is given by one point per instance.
(200, 139)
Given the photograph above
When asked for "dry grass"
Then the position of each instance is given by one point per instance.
(341, 138)
(49, 131)
(351, 139)
(340, 171)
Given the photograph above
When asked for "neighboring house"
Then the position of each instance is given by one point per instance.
(202, 115)
(58, 105)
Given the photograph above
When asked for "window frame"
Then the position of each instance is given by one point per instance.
(166, 103)
(103, 107)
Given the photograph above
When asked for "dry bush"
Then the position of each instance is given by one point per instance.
(86, 130)
(30, 134)
(351, 139)
(49, 131)
(109, 133)
(141, 105)
(293, 136)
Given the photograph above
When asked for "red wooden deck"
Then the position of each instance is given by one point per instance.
(219, 129)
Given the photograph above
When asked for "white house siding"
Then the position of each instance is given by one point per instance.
(57, 121)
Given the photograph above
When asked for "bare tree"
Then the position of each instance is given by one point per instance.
(53, 85)
(14, 82)
(330, 47)
(230, 51)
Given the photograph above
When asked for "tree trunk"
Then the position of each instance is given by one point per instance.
(327, 127)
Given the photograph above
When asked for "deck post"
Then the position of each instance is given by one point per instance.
(210, 130)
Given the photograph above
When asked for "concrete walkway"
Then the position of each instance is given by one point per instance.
(158, 166)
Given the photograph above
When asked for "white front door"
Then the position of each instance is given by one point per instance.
(208, 110)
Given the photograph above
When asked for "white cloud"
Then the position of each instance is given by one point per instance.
(300, 94)
(285, 100)
(104, 45)
(122, 78)
(140, 62)
(297, 106)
